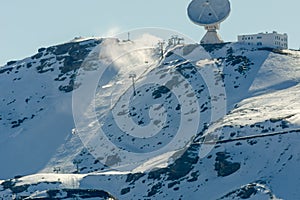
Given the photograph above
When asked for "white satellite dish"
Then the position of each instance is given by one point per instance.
(209, 13)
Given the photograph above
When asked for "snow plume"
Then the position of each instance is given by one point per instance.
(147, 40)
(112, 32)
(124, 53)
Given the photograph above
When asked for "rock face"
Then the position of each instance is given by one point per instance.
(225, 167)
(255, 154)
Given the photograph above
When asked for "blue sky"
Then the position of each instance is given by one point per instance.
(28, 25)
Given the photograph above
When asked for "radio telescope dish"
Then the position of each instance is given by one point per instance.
(209, 13)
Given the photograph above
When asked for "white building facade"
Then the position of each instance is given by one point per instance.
(272, 40)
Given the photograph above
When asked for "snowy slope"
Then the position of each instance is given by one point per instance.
(36, 114)
(256, 155)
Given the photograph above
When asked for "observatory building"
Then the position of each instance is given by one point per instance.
(272, 40)
(209, 13)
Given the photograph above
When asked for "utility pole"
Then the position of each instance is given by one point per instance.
(133, 76)
(161, 48)
(180, 40)
(175, 40)
(77, 162)
(56, 169)
(128, 34)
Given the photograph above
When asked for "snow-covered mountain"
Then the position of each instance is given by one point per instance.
(247, 98)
